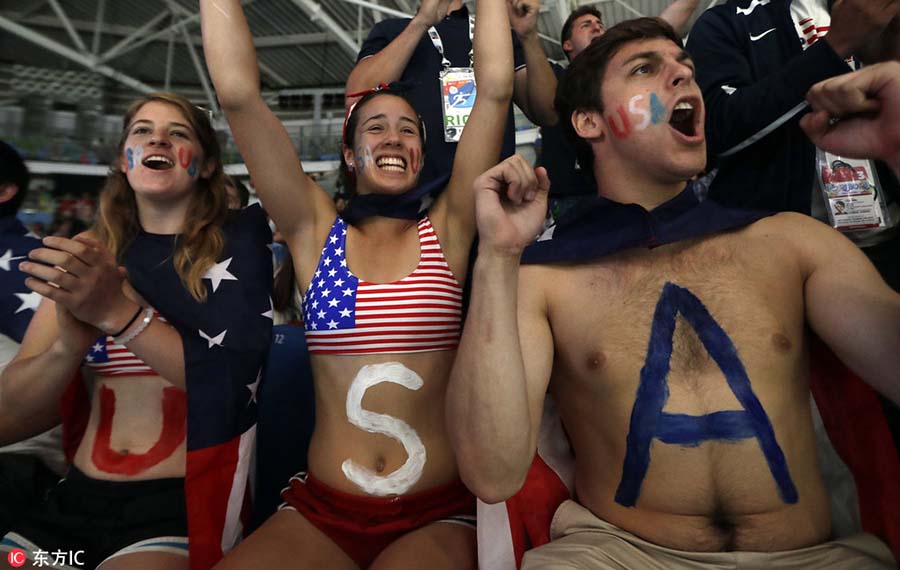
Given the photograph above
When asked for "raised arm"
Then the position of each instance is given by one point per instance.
(848, 304)
(503, 365)
(482, 138)
(392, 56)
(535, 84)
(679, 13)
(296, 203)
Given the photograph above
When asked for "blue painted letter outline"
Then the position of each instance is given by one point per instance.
(649, 421)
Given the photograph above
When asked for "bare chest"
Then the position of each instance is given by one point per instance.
(686, 309)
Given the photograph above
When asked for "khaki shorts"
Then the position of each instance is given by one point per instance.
(581, 540)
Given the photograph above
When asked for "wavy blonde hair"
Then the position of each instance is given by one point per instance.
(201, 241)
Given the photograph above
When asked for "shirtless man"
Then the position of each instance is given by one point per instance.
(680, 371)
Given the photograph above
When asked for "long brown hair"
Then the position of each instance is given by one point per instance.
(201, 240)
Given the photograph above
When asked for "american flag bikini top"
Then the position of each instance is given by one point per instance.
(107, 358)
(344, 315)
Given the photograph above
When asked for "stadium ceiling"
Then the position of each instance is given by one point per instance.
(140, 46)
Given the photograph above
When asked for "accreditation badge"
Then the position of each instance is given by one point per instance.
(852, 193)
(458, 93)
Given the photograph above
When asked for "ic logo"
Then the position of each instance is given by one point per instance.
(16, 558)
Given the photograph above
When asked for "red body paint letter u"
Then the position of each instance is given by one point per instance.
(174, 428)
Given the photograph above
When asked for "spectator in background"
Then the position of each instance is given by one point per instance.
(32, 461)
(558, 154)
(238, 194)
(755, 63)
(411, 51)
(85, 208)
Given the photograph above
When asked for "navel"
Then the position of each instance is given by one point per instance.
(379, 465)
(782, 343)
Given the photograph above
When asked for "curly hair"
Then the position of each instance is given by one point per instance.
(201, 241)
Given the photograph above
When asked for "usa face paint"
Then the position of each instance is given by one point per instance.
(623, 128)
(134, 156)
(187, 161)
(415, 160)
(653, 114)
(363, 157)
(649, 421)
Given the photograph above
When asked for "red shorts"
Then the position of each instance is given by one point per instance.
(364, 526)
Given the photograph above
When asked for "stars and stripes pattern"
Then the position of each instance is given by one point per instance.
(106, 358)
(17, 302)
(225, 340)
(346, 315)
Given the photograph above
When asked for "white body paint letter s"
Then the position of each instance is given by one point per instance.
(635, 110)
(401, 480)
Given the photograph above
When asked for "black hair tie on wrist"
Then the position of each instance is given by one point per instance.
(130, 322)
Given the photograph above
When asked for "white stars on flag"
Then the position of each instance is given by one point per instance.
(30, 301)
(219, 272)
(6, 258)
(214, 340)
(334, 290)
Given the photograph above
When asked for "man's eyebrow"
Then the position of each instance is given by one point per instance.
(651, 55)
(683, 57)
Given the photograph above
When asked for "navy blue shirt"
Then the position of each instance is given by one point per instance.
(558, 157)
(421, 77)
(753, 85)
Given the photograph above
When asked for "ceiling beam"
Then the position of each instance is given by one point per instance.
(61, 14)
(127, 42)
(98, 31)
(379, 8)
(317, 14)
(132, 33)
(34, 7)
(85, 60)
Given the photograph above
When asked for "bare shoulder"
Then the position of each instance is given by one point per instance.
(787, 224)
(799, 230)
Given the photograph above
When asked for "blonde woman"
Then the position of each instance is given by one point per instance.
(162, 307)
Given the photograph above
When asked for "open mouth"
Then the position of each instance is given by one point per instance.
(683, 118)
(391, 164)
(158, 162)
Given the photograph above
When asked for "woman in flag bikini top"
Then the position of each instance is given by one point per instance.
(164, 207)
(381, 305)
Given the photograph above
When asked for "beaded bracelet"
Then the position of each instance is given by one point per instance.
(142, 326)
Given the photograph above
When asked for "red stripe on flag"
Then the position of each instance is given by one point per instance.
(208, 478)
(531, 509)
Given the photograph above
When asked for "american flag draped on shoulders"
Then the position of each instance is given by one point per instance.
(226, 340)
(17, 302)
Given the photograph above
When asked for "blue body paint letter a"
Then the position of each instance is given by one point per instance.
(649, 421)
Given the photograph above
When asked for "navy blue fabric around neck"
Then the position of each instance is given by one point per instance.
(597, 226)
(405, 206)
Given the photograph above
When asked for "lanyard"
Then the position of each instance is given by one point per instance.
(439, 45)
